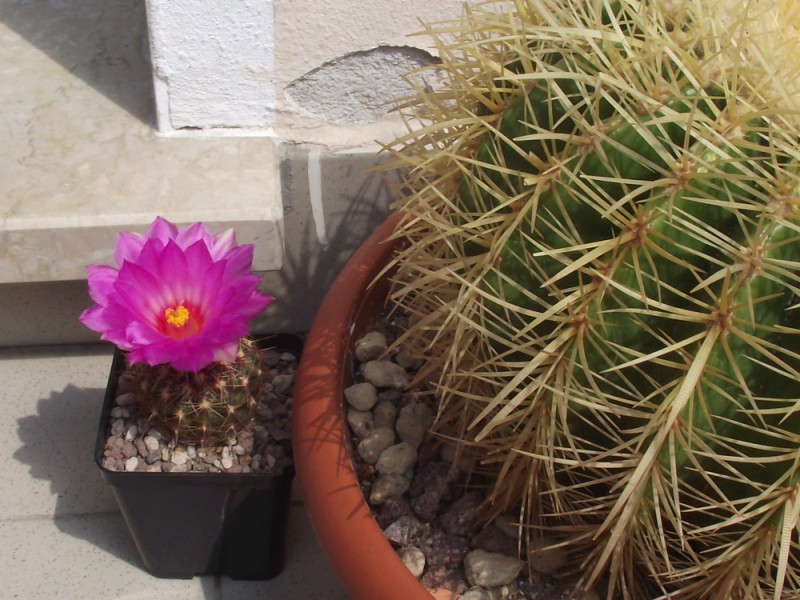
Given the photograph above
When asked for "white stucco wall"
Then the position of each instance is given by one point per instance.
(297, 69)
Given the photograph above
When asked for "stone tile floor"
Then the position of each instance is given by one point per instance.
(62, 535)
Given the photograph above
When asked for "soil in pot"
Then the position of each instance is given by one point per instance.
(426, 499)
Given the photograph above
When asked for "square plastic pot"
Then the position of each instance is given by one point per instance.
(187, 524)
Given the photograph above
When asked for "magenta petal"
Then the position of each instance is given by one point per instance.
(139, 291)
(227, 352)
(196, 232)
(240, 261)
(101, 279)
(150, 254)
(162, 230)
(175, 273)
(94, 318)
(129, 246)
(223, 244)
(183, 357)
(138, 333)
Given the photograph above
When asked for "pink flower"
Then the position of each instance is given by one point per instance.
(178, 296)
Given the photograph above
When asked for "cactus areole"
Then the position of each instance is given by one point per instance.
(603, 205)
(179, 303)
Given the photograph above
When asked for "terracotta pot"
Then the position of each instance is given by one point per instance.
(365, 562)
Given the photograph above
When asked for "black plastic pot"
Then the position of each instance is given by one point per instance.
(187, 524)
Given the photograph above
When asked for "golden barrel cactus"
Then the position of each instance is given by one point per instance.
(602, 202)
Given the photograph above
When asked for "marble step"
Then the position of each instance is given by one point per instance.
(80, 159)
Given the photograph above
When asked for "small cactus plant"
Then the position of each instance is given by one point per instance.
(205, 407)
(603, 209)
(179, 304)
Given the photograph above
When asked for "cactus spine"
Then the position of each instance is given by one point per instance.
(604, 270)
(206, 407)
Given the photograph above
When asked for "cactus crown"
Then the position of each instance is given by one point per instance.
(205, 407)
(603, 202)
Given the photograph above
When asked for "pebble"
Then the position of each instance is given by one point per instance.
(413, 423)
(397, 459)
(375, 442)
(546, 557)
(407, 360)
(370, 346)
(141, 447)
(117, 427)
(487, 569)
(461, 517)
(179, 456)
(413, 558)
(503, 592)
(361, 396)
(508, 524)
(476, 593)
(430, 485)
(491, 539)
(131, 432)
(131, 463)
(385, 374)
(385, 414)
(129, 450)
(271, 358)
(283, 383)
(360, 421)
(151, 442)
(387, 486)
(391, 510)
(126, 399)
(405, 530)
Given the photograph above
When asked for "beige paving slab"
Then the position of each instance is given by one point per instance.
(93, 557)
(83, 558)
(51, 402)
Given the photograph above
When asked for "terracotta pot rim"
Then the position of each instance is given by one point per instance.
(365, 562)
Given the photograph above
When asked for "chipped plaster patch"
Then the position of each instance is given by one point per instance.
(358, 87)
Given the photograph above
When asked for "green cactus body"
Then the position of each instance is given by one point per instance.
(206, 407)
(609, 290)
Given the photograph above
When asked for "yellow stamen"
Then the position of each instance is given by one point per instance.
(177, 316)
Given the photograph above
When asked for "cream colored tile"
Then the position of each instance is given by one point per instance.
(84, 558)
(52, 406)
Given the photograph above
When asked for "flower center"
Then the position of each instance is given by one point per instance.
(180, 321)
(178, 316)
